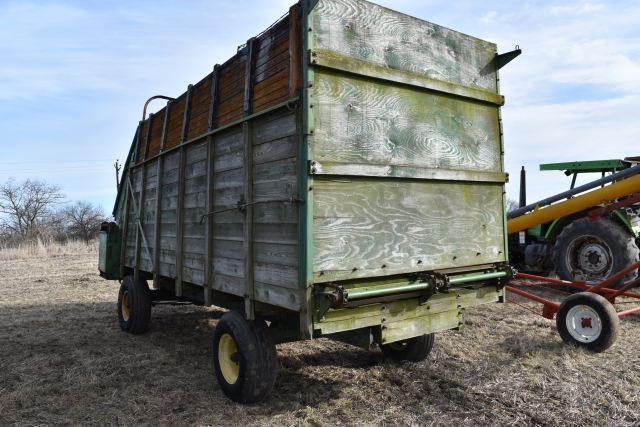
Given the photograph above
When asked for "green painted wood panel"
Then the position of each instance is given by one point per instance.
(408, 172)
(364, 122)
(366, 227)
(409, 318)
(365, 31)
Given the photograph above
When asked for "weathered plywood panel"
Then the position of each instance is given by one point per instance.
(363, 122)
(370, 227)
(168, 214)
(368, 32)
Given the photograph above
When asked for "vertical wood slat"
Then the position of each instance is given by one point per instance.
(145, 154)
(125, 211)
(208, 234)
(248, 184)
(143, 184)
(294, 51)
(305, 218)
(136, 150)
(179, 209)
(160, 172)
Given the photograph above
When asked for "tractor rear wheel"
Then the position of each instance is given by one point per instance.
(592, 251)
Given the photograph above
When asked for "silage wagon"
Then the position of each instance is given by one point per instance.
(340, 176)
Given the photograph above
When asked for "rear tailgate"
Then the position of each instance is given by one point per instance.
(405, 145)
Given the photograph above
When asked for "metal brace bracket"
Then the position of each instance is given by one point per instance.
(138, 223)
(328, 295)
(437, 283)
(504, 58)
(314, 167)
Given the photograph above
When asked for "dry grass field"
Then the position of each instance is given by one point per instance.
(63, 360)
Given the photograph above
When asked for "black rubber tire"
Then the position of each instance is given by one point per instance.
(414, 349)
(258, 363)
(139, 298)
(621, 243)
(606, 312)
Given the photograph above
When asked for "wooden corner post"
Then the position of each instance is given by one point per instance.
(140, 214)
(159, 180)
(208, 232)
(181, 178)
(247, 132)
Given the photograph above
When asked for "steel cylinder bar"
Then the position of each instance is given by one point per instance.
(629, 311)
(594, 198)
(459, 280)
(532, 297)
(616, 277)
(581, 189)
(379, 291)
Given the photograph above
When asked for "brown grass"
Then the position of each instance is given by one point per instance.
(47, 249)
(63, 360)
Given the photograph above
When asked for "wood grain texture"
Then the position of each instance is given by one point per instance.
(156, 134)
(168, 214)
(363, 122)
(369, 227)
(142, 140)
(369, 32)
(253, 162)
(135, 175)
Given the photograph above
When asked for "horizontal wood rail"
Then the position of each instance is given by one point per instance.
(335, 61)
(405, 171)
(288, 103)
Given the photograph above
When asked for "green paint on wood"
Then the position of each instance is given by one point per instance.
(365, 122)
(370, 227)
(365, 31)
(427, 317)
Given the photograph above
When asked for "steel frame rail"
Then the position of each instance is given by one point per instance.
(550, 308)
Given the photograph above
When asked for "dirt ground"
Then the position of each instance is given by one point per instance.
(63, 360)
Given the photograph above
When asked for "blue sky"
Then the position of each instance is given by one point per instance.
(75, 74)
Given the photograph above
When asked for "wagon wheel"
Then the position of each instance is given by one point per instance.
(413, 349)
(588, 320)
(134, 306)
(244, 358)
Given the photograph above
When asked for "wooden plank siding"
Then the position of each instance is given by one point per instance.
(182, 211)
(275, 237)
(272, 85)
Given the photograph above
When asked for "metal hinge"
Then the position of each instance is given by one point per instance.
(314, 167)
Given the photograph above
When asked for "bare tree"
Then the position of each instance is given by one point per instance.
(25, 206)
(512, 205)
(82, 220)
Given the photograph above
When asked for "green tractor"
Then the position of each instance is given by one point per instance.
(594, 238)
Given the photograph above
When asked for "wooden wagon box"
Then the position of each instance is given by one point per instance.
(341, 174)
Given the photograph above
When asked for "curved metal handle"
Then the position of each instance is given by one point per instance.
(146, 104)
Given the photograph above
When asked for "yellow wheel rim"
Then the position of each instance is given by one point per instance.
(124, 306)
(228, 358)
